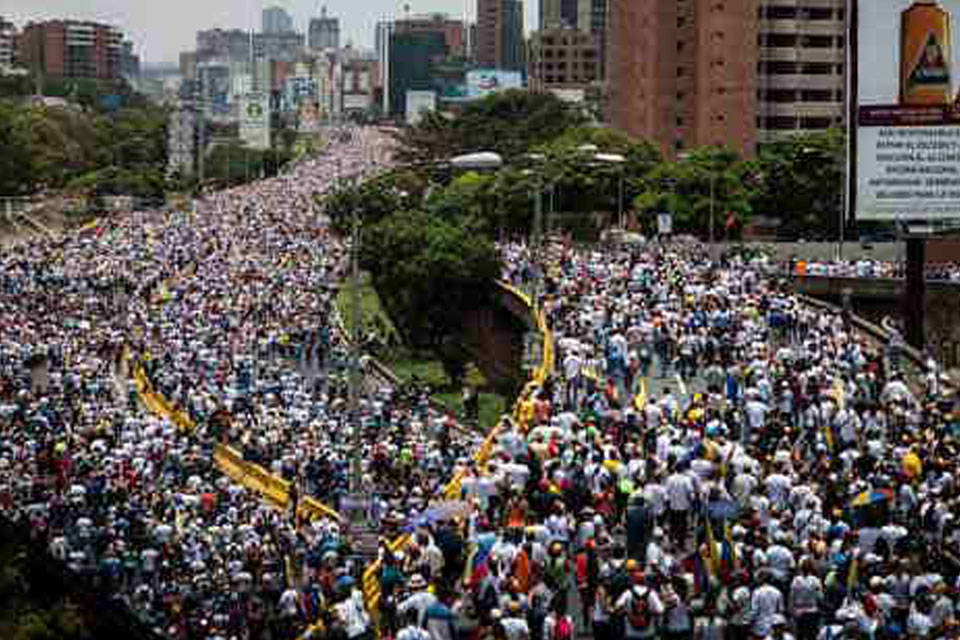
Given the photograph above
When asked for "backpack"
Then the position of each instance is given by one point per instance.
(563, 629)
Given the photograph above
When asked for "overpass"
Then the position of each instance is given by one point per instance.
(878, 298)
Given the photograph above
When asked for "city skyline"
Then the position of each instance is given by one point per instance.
(160, 31)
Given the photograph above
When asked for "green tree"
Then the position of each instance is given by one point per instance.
(428, 271)
(705, 180)
(509, 123)
(375, 198)
(801, 182)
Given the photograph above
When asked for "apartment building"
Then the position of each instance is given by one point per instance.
(72, 49)
(800, 66)
(687, 73)
(500, 43)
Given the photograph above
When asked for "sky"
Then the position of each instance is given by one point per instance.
(161, 29)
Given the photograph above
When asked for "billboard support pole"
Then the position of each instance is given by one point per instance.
(915, 291)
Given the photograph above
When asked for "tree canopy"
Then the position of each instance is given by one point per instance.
(509, 123)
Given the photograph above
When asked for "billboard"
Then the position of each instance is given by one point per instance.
(483, 82)
(255, 120)
(907, 112)
(417, 103)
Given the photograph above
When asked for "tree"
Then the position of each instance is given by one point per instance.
(801, 182)
(704, 180)
(509, 123)
(375, 198)
(428, 271)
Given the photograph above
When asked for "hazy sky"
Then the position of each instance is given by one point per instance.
(162, 29)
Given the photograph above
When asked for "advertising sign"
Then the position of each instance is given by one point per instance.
(417, 103)
(907, 144)
(483, 82)
(255, 120)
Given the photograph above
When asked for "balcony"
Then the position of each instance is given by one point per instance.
(832, 83)
(803, 109)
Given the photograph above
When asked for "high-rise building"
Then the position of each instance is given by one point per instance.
(800, 79)
(7, 31)
(680, 74)
(564, 59)
(275, 20)
(732, 72)
(282, 47)
(130, 64)
(223, 44)
(324, 31)
(72, 49)
(500, 41)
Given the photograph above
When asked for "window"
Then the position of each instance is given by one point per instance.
(680, 72)
(679, 46)
(719, 117)
(781, 13)
(818, 68)
(816, 95)
(679, 121)
(780, 123)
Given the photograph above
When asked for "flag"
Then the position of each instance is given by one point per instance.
(713, 550)
(478, 565)
(729, 551)
(731, 219)
(854, 576)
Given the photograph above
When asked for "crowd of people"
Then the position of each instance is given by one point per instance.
(865, 268)
(707, 459)
(710, 459)
(229, 310)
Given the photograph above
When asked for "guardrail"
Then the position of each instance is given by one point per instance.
(370, 580)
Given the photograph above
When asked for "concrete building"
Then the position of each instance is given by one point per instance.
(680, 74)
(800, 79)
(283, 46)
(223, 44)
(324, 32)
(72, 49)
(130, 65)
(275, 20)
(7, 33)
(564, 58)
(500, 43)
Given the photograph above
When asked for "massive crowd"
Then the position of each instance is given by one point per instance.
(708, 459)
(229, 311)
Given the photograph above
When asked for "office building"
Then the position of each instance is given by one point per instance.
(500, 43)
(800, 79)
(182, 137)
(683, 74)
(324, 32)
(223, 44)
(275, 20)
(277, 46)
(71, 49)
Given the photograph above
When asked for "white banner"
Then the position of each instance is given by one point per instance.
(255, 120)
(908, 172)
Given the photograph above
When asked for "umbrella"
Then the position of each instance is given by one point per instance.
(869, 498)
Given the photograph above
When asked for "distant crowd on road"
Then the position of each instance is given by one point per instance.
(939, 271)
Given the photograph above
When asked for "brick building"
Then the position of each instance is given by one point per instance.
(500, 43)
(72, 49)
(732, 72)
